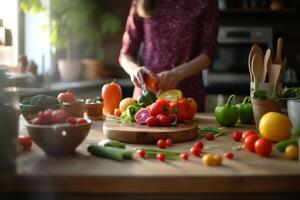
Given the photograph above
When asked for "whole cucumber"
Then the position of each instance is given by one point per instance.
(283, 144)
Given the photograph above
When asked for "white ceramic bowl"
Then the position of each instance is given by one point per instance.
(293, 107)
(59, 139)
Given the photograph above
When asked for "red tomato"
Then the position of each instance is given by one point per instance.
(164, 120)
(210, 136)
(43, 118)
(160, 107)
(161, 144)
(81, 121)
(184, 156)
(248, 132)
(151, 82)
(25, 141)
(117, 112)
(112, 95)
(142, 153)
(71, 120)
(193, 107)
(179, 108)
(58, 116)
(263, 147)
(196, 151)
(229, 155)
(250, 141)
(169, 142)
(152, 121)
(67, 96)
(237, 136)
(161, 157)
(199, 145)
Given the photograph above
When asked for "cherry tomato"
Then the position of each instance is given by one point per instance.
(117, 112)
(164, 120)
(199, 145)
(169, 142)
(25, 141)
(217, 159)
(184, 156)
(112, 95)
(237, 136)
(196, 151)
(161, 144)
(58, 116)
(43, 118)
(291, 152)
(161, 157)
(67, 96)
(248, 132)
(160, 107)
(152, 121)
(210, 136)
(81, 121)
(142, 153)
(71, 120)
(250, 142)
(263, 147)
(229, 155)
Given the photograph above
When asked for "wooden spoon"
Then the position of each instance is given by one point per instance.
(283, 67)
(257, 67)
(274, 75)
(278, 59)
(267, 64)
(255, 49)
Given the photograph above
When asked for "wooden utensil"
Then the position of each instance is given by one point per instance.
(267, 64)
(274, 75)
(278, 59)
(255, 49)
(142, 134)
(283, 67)
(257, 67)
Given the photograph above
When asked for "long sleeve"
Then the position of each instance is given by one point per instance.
(133, 35)
(209, 30)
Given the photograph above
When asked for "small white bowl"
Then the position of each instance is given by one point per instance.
(293, 107)
(59, 139)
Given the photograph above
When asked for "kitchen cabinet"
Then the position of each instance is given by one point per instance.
(82, 176)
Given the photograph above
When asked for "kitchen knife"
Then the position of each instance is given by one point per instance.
(142, 82)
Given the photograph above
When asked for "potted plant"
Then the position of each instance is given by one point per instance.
(76, 24)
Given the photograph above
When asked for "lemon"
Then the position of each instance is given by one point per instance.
(124, 103)
(275, 126)
(171, 95)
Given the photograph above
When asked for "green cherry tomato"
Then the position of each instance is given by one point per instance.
(245, 111)
(228, 114)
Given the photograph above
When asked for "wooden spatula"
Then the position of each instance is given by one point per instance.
(254, 50)
(257, 68)
(278, 59)
(283, 67)
(267, 65)
(274, 75)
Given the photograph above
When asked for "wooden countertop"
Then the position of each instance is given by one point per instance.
(83, 173)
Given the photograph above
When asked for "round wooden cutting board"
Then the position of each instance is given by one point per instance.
(142, 134)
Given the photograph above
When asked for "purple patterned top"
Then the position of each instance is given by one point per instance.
(177, 32)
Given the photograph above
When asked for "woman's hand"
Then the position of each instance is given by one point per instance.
(169, 80)
(134, 75)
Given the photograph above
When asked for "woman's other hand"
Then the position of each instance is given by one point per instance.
(168, 80)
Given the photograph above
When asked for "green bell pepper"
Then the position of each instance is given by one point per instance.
(245, 111)
(228, 114)
(147, 98)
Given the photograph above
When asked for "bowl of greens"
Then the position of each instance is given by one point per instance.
(30, 106)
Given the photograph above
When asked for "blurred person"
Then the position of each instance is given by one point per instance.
(173, 40)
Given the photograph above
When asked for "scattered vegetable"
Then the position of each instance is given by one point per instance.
(250, 142)
(199, 145)
(237, 136)
(141, 153)
(281, 146)
(161, 157)
(112, 143)
(247, 132)
(147, 98)
(110, 152)
(152, 121)
(124, 103)
(25, 142)
(212, 159)
(228, 114)
(161, 144)
(263, 147)
(184, 156)
(291, 152)
(169, 142)
(142, 115)
(210, 136)
(196, 151)
(229, 155)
